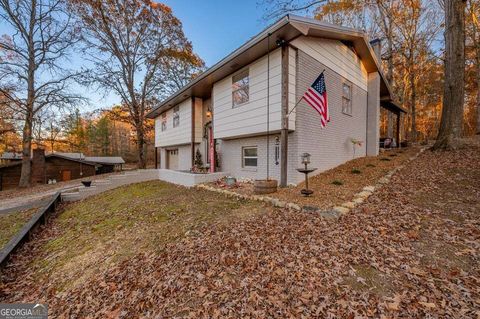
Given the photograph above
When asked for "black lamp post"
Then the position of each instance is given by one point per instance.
(305, 161)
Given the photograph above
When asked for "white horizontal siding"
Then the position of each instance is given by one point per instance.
(181, 134)
(251, 117)
(336, 56)
(292, 81)
(198, 120)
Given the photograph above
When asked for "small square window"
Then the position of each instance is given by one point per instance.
(176, 116)
(240, 88)
(249, 156)
(347, 99)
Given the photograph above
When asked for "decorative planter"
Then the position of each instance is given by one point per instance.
(230, 181)
(265, 186)
(87, 183)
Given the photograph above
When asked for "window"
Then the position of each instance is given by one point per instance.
(249, 156)
(240, 88)
(347, 99)
(164, 121)
(176, 116)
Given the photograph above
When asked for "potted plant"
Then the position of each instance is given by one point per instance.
(87, 183)
(265, 186)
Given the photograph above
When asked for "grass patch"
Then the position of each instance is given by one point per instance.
(337, 182)
(11, 223)
(365, 278)
(356, 171)
(141, 218)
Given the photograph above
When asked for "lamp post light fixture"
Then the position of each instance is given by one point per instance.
(305, 161)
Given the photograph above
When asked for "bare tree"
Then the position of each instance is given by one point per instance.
(30, 71)
(128, 41)
(453, 96)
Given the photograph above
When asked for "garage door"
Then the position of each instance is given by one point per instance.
(172, 161)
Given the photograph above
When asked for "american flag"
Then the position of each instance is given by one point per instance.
(316, 97)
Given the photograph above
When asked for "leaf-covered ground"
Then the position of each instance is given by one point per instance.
(338, 185)
(11, 223)
(410, 251)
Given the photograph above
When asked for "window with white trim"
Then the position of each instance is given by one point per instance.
(347, 99)
(240, 88)
(164, 121)
(176, 116)
(249, 156)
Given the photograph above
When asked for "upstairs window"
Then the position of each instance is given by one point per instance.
(347, 99)
(176, 116)
(249, 156)
(164, 122)
(240, 88)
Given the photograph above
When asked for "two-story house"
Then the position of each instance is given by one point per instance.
(253, 98)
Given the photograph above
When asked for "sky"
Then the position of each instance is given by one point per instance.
(215, 28)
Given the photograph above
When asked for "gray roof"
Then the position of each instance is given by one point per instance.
(105, 159)
(91, 159)
(287, 28)
(78, 156)
(11, 156)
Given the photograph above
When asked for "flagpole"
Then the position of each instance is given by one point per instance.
(299, 100)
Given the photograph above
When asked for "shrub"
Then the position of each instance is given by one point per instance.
(337, 182)
(385, 159)
(356, 171)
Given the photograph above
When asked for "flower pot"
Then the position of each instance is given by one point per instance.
(230, 181)
(265, 186)
(87, 183)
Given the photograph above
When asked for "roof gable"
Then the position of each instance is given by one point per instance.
(287, 28)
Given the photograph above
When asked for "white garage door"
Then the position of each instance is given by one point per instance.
(172, 160)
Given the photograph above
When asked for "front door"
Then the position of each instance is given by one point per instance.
(172, 159)
(66, 175)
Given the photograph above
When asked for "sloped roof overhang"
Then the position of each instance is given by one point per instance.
(287, 28)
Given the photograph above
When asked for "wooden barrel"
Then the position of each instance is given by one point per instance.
(263, 186)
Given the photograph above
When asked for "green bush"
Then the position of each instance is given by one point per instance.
(356, 171)
(337, 182)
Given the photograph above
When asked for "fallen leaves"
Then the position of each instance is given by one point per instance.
(405, 253)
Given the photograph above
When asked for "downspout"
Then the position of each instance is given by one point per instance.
(284, 130)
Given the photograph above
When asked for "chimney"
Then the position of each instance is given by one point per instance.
(377, 48)
(38, 166)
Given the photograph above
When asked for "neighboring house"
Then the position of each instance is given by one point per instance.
(224, 110)
(10, 157)
(58, 167)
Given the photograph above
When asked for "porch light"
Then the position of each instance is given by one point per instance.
(209, 114)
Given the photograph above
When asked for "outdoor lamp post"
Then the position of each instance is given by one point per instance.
(305, 161)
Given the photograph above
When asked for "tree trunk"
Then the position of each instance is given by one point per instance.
(452, 111)
(478, 92)
(141, 147)
(413, 101)
(26, 171)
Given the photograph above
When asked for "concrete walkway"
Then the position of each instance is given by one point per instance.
(113, 181)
